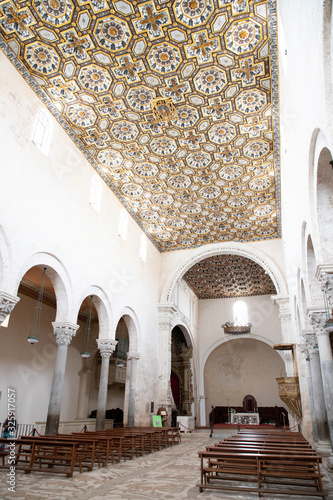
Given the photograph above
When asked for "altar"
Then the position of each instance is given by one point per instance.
(245, 418)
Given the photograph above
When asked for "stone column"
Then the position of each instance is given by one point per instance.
(202, 402)
(318, 320)
(283, 304)
(317, 390)
(64, 333)
(83, 399)
(7, 304)
(166, 315)
(106, 348)
(311, 397)
(133, 357)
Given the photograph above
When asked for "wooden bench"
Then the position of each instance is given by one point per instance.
(46, 455)
(289, 473)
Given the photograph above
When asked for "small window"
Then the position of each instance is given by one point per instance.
(41, 136)
(95, 192)
(123, 224)
(240, 313)
(143, 247)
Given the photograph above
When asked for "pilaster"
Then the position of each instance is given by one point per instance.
(283, 303)
(166, 314)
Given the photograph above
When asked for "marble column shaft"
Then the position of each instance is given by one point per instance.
(317, 388)
(318, 320)
(106, 348)
(165, 319)
(133, 358)
(83, 399)
(283, 304)
(64, 333)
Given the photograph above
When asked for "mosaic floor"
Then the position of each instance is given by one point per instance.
(170, 474)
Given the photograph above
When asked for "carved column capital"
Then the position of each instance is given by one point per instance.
(283, 303)
(106, 347)
(318, 320)
(64, 332)
(7, 304)
(326, 285)
(166, 313)
(311, 342)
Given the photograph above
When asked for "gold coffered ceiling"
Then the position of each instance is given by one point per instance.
(225, 276)
(207, 174)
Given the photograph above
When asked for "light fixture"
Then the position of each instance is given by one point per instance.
(234, 329)
(34, 333)
(86, 354)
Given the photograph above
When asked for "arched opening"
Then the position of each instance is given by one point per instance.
(239, 368)
(29, 366)
(315, 292)
(116, 378)
(181, 364)
(324, 203)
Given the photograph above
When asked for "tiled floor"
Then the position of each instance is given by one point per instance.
(170, 474)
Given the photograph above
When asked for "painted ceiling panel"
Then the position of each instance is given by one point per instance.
(174, 103)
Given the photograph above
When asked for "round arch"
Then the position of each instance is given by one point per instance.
(132, 323)
(241, 249)
(177, 321)
(319, 156)
(6, 271)
(104, 310)
(58, 275)
(216, 345)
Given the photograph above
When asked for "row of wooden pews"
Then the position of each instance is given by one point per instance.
(263, 461)
(67, 453)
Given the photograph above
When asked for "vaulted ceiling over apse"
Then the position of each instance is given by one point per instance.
(174, 103)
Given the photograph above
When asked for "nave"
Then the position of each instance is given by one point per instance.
(170, 474)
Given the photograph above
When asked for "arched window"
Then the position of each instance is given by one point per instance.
(95, 192)
(123, 223)
(240, 313)
(42, 133)
(143, 247)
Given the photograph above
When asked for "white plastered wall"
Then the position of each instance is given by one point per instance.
(46, 219)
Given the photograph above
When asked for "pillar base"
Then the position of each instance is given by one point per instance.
(324, 447)
(330, 462)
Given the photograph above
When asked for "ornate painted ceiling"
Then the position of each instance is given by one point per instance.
(174, 103)
(223, 276)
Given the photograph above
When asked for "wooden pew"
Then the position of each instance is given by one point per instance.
(289, 473)
(45, 455)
